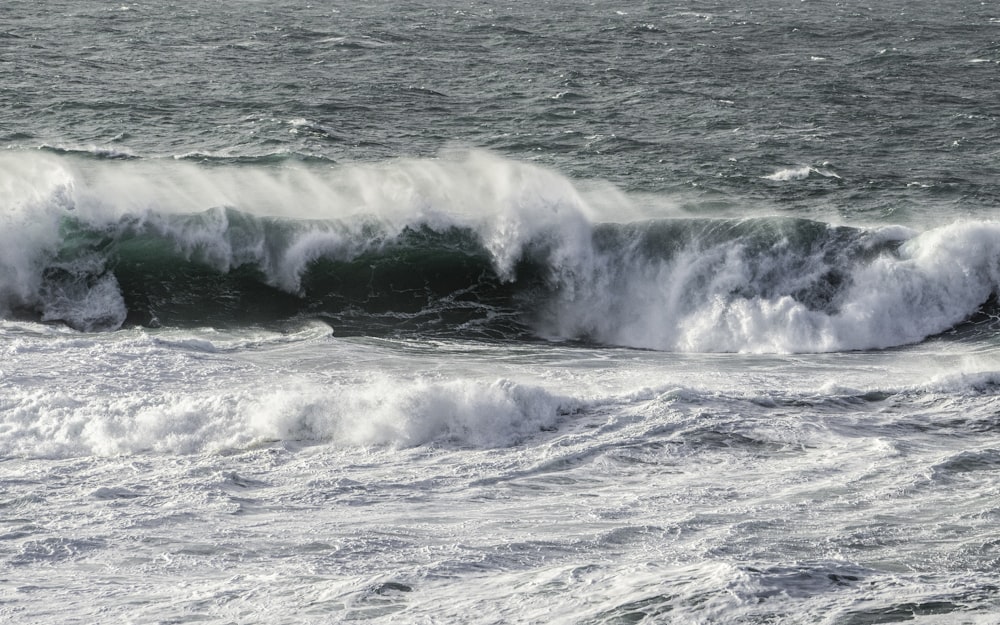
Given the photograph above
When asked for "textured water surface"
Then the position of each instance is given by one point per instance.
(528, 313)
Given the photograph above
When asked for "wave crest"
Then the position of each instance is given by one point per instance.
(470, 246)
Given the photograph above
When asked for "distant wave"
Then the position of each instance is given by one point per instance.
(801, 173)
(476, 247)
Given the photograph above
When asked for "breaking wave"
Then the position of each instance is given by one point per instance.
(469, 245)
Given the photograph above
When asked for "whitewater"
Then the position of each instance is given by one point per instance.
(346, 238)
(499, 314)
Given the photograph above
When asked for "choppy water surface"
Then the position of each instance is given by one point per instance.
(541, 313)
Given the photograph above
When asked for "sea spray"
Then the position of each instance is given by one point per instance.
(469, 245)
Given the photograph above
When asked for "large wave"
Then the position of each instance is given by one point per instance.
(469, 245)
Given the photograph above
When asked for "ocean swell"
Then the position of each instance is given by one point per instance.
(469, 246)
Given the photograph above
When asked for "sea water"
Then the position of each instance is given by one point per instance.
(526, 313)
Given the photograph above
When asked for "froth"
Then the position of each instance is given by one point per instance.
(732, 296)
(464, 412)
(33, 194)
(393, 412)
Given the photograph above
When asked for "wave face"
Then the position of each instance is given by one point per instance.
(469, 245)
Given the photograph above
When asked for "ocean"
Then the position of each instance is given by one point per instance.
(528, 312)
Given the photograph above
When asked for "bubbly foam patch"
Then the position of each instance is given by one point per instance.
(34, 192)
(463, 412)
(731, 296)
(389, 412)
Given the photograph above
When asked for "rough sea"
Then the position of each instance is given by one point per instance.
(529, 312)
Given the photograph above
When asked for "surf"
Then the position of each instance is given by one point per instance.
(469, 246)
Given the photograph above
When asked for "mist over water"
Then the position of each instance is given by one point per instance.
(539, 313)
(470, 238)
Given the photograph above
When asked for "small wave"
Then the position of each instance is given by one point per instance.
(468, 413)
(280, 158)
(387, 412)
(362, 42)
(95, 151)
(212, 341)
(801, 173)
(985, 382)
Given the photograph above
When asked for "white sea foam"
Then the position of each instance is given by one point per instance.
(85, 304)
(963, 382)
(939, 278)
(387, 412)
(394, 412)
(801, 173)
(33, 194)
